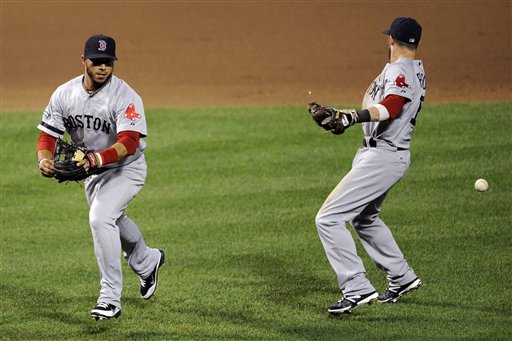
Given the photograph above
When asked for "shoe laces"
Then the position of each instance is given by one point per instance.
(145, 281)
(393, 288)
(102, 305)
(351, 299)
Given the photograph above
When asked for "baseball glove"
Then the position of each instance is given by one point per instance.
(65, 159)
(331, 119)
(320, 114)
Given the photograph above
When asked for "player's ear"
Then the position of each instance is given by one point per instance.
(83, 59)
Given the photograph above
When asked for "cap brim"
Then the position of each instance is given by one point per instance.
(100, 56)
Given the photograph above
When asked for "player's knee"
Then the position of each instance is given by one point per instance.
(323, 220)
(98, 220)
(327, 219)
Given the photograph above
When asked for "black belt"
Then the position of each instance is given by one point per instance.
(373, 144)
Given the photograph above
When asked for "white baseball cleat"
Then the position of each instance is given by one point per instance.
(348, 303)
(149, 284)
(394, 292)
(105, 311)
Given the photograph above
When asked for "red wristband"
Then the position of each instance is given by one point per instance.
(93, 162)
(107, 156)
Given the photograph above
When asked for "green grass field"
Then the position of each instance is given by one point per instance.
(231, 195)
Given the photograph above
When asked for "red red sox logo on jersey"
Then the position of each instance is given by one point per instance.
(131, 114)
(400, 82)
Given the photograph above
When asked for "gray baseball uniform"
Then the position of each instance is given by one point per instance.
(93, 120)
(376, 168)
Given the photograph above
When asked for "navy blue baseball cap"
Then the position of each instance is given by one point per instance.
(100, 46)
(405, 29)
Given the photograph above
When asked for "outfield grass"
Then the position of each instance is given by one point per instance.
(231, 195)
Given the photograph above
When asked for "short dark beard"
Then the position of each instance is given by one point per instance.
(96, 85)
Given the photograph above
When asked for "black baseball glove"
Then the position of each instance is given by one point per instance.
(320, 114)
(65, 159)
(331, 119)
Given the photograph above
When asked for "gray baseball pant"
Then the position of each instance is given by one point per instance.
(108, 195)
(357, 199)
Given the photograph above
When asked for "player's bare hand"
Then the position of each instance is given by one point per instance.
(46, 168)
(84, 163)
(89, 162)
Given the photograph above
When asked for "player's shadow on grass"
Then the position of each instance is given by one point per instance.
(40, 305)
(285, 284)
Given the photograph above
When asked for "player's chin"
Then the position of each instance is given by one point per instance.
(101, 78)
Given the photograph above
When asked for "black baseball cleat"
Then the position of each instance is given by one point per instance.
(348, 303)
(105, 311)
(393, 292)
(149, 284)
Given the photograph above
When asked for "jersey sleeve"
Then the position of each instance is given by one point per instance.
(398, 81)
(130, 113)
(52, 122)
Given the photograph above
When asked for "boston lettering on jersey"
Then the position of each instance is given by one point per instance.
(86, 122)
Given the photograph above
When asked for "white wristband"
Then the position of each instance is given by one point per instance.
(39, 162)
(383, 112)
(99, 158)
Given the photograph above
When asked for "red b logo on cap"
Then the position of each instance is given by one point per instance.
(103, 45)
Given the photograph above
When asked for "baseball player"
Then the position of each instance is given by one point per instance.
(105, 116)
(390, 109)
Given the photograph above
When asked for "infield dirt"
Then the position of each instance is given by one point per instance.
(179, 54)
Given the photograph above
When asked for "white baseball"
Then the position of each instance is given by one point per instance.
(309, 92)
(481, 185)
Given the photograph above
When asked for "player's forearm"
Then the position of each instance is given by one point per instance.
(375, 113)
(44, 154)
(126, 145)
(121, 150)
(45, 163)
(45, 146)
(115, 153)
(372, 114)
